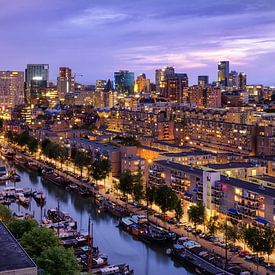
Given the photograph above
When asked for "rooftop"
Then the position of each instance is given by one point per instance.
(232, 165)
(256, 188)
(12, 255)
(191, 153)
(183, 168)
(94, 144)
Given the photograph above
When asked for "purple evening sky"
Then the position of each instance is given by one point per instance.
(97, 37)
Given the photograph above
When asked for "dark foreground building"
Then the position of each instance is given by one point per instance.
(13, 258)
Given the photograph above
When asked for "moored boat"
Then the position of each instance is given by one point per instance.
(138, 226)
(115, 209)
(39, 197)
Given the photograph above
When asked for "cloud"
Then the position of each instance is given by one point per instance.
(96, 16)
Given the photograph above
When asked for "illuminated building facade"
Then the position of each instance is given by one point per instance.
(242, 80)
(124, 82)
(205, 97)
(65, 82)
(223, 73)
(142, 85)
(36, 77)
(11, 89)
(203, 81)
(242, 200)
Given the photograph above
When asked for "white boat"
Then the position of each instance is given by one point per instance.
(22, 199)
(9, 192)
(3, 173)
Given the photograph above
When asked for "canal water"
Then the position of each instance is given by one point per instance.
(111, 240)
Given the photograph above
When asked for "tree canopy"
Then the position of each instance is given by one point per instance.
(100, 168)
(196, 214)
(126, 183)
(166, 198)
(19, 227)
(38, 240)
(5, 214)
(58, 260)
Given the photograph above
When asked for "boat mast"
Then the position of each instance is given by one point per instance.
(58, 211)
(90, 245)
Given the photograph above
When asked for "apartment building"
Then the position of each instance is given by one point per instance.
(238, 198)
(100, 149)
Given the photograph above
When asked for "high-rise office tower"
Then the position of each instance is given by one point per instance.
(203, 80)
(157, 79)
(162, 74)
(232, 81)
(183, 79)
(11, 89)
(142, 84)
(105, 96)
(124, 82)
(65, 82)
(36, 77)
(172, 88)
(223, 73)
(242, 80)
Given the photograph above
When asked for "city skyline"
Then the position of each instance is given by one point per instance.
(97, 39)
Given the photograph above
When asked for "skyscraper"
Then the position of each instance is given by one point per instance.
(203, 80)
(242, 80)
(172, 88)
(36, 77)
(232, 81)
(65, 82)
(223, 73)
(142, 84)
(11, 89)
(105, 96)
(124, 82)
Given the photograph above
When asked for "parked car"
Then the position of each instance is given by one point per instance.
(221, 244)
(202, 235)
(250, 257)
(214, 240)
(189, 229)
(235, 249)
(258, 259)
(243, 253)
(172, 221)
(158, 215)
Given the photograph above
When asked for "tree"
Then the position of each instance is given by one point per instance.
(253, 237)
(268, 240)
(80, 160)
(45, 144)
(58, 260)
(138, 188)
(231, 233)
(19, 227)
(125, 184)
(178, 211)
(212, 225)
(11, 136)
(151, 194)
(23, 138)
(32, 145)
(166, 198)
(196, 214)
(63, 154)
(38, 240)
(100, 168)
(5, 214)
